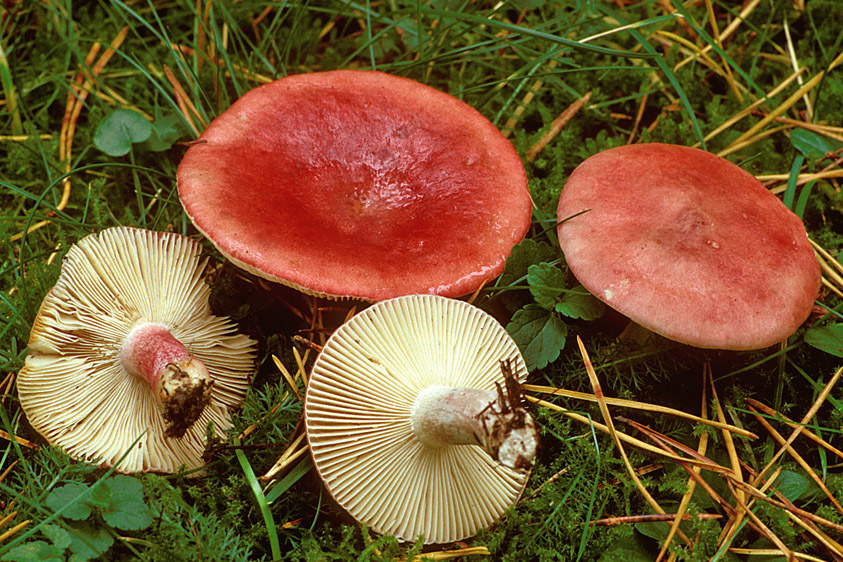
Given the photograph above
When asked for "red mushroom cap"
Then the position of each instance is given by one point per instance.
(688, 245)
(357, 184)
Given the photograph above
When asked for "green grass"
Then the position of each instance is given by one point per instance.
(640, 62)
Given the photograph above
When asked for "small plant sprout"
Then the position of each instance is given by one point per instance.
(416, 421)
(688, 245)
(124, 350)
(360, 184)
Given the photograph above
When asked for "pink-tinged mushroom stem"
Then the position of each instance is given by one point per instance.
(445, 416)
(181, 382)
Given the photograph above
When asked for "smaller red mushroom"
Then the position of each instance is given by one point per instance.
(688, 245)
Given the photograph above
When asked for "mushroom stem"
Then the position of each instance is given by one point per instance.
(181, 382)
(468, 416)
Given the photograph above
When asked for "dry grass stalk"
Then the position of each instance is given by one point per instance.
(730, 29)
(832, 269)
(11, 515)
(801, 179)
(528, 97)
(720, 42)
(833, 546)
(287, 376)
(556, 125)
(300, 362)
(633, 404)
(796, 456)
(773, 552)
(652, 517)
(604, 410)
(748, 110)
(702, 446)
(287, 457)
(14, 529)
(186, 106)
(247, 74)
(623, 436)
(806, 431)
(79, 91)
(19, 440)
(788, 506)
(667, 444)
(689, 48)
(789, 102)
(642, 105)
(808, 520)
(798, 430)
(449, 554)
(791, 53)
(734, 460)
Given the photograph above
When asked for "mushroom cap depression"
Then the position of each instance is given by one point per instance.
(73, 388)
(688, 245)
(355, 183)
(358, 410)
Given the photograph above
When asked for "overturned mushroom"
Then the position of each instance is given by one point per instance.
(359, 184)
(415, 418)
(687, 245)
(125, 357)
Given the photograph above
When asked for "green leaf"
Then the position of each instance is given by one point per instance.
(119, 130)
(127, 509)
(291, 478)
(539, 333)
(796, 487)
(826, 338)
(99, 497)
(793, 177)
(165, 132)
(578, 303)
(804, 195)
(811, 144)
(57, 535)
(88, 541)
(547, 283)
(523, 255)
(63, 495)
(35, 551)
(628, 549)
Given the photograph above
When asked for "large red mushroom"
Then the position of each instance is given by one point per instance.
(357, 184)
(688, 245)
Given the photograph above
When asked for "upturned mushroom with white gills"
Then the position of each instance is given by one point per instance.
(179, 381)
(357, 184)
(688, 245)
(416, 420)
(124, 350)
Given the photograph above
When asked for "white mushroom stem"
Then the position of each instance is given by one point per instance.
(445, 416)
(180, 382)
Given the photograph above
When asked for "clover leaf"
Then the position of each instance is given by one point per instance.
(119, 130)
(126, 509)
(539, 334)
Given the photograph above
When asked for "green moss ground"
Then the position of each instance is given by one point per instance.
(658, 73)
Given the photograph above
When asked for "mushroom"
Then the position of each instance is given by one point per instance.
(688, 245)
(354, 183)
(415, 419)
(126, 365)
